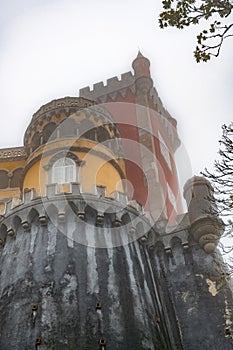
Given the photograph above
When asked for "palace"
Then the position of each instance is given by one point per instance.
(95, 249)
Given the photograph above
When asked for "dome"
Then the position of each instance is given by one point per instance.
(69, 117)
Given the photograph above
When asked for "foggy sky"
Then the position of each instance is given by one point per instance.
(51, 49)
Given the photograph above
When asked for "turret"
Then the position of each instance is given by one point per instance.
(141, 66)
(72, 140)
(143, 81)
(206, 227)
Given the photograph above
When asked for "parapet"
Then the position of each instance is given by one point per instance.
(114, 87)
(165, 238)
(12, 154)
(61, 201)
(64, 102)
(101, 92)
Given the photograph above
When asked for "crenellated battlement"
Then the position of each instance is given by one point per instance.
(101, 92)
(64, 200)
(117, 205)
(53, 191)
(83, 265)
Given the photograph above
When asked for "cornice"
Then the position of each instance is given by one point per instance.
(12, 154)
(64, 102)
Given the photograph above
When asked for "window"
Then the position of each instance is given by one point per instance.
(64, 171)
(172, 198)
(164, 151)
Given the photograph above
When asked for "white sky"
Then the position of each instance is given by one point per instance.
(51, 49)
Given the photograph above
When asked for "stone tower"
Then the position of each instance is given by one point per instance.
(86, 260)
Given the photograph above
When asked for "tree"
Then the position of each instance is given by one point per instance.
(184, 13)
(222, 182)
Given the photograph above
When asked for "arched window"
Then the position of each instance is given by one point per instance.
(64, 171)
(35, 142)
(49, 132)
(102, 134)
(16, 177)
(87, 130)
(4, 179)
(68, 128)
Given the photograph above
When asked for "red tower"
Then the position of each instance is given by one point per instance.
(149, 137)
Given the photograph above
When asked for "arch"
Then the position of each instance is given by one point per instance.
(33, 215)
(63, 154)
(102, 134)
(52, 211)
(16, 177)
(64, 171)
(90, 215)
(159, 248)
(125, 219)
(3, 232)
(49, 132)
(140, 229)
(90, 135)
(110, 216)
(116, 132)
(16, 222)
(68, 128)
(4, 179)
(111, 210)
(178, 257)
(87, 130)
(35, 141)
(175, 241)
(71, 207)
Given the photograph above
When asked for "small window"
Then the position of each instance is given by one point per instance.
(64, 171)
(164, 151)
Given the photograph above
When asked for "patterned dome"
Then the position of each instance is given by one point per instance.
(70, 117)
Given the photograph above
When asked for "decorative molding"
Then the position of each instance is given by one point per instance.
(77, 102)
(12, 154)
(114, 85)
(67, 106)
(64, 154)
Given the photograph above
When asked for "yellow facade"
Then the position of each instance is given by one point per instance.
(9, 166)
(95, 171)
(12, 165)
(30, 167)
(99, 166)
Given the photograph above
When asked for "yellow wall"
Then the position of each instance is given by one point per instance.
(36, 177)
(99, 172)
(95, 171)
(112, 178)
(9, 193)
(10, 166)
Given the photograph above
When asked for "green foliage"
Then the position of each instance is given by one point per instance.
(181, 14)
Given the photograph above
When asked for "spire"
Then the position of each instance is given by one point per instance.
(141, 66)
(140, 55)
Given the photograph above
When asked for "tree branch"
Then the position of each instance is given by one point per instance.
(184, 13)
